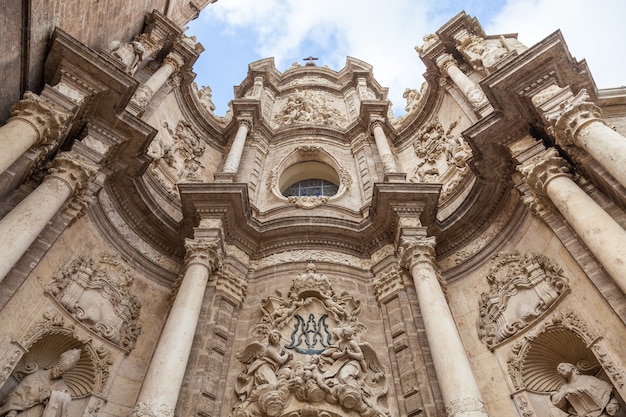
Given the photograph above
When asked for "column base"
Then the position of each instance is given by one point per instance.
(466, 407)
(225, 177)
(395, 177)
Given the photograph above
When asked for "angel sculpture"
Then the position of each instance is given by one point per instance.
(264, 382)
(354, 372)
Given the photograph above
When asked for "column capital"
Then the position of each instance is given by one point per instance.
(47, 118)
(444, 62)
(543, 168)
(174, 60)
(73, 169)
(245, 120)
(414, 250)
(203, 251)
(570, 115)
(376, 121)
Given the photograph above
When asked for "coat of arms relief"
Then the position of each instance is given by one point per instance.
(309, 357)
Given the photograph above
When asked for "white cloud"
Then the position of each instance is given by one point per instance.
(384, 34)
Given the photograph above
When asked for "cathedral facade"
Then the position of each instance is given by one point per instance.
(308, 254)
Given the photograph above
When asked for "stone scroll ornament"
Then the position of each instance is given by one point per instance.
(309, 357)
(521, 288)
(97, 293)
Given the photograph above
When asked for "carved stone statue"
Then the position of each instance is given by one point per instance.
(263, 387)
(583, 395)
(130, 54)
(43, 392)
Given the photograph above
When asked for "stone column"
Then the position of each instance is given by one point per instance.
(171, 64)
(389, 162)
(448, 66)
(68, 175)
(159, 392)
(458, 386)
(35, 120)
(231, 166)
(548, 174)
(576, 121)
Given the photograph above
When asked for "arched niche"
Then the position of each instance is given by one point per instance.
(563, 338)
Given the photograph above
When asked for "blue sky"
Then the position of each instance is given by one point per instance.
(237, 32)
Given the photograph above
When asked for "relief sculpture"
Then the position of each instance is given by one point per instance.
(42, 392)
(310, 356)
(583, 395)
(521, 288)
(97, 293)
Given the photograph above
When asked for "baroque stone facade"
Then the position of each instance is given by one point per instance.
(308, 253)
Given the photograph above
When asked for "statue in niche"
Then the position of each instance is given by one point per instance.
(42, 392)
(583, 395)
(328, 368)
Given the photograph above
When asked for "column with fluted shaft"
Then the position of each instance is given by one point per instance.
(35, 120)
(68, 175)
(171, 64)
(382, 145)
(576, 121)
(449, 66)
(164, 378)
(231, 165)
(548, 174)
(458, 385)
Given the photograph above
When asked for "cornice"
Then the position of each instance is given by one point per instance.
(229, 203)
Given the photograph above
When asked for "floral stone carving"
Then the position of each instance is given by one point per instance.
(442, 157)
(177, 157)
(521, 288)
(322, 365)
(98, 294)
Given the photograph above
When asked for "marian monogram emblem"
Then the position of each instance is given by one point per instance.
(309, 355)
(310, 337)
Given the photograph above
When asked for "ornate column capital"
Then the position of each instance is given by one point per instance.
(46, 117)
(233, 286)
(444, 62)
(245, 120)
(415, 250)
(204, 252)
(73, 169)
(566, 119)
(376, 121)
(543, 168)
(175, 61)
